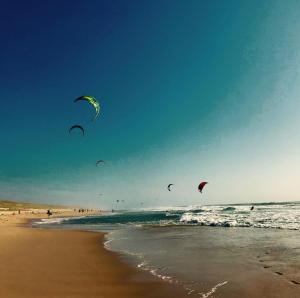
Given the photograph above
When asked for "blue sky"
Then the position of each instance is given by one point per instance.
(189, 90)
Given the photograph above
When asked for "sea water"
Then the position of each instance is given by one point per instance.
(205, 249)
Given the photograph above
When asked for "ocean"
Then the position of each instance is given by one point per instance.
(208, 250)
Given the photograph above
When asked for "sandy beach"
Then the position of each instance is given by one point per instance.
(62, 263)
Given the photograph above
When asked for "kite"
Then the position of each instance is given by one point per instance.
(77, 127)
(201, 186)
(169, 187)
(91, 100)
(99, 161)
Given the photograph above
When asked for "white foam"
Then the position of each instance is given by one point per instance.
(107, 242)
(57, 220)
(141, 265)
(51, 221)
(155, 272)
(213, 290)
(270, 216)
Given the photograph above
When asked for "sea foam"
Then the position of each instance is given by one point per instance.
(266, 216)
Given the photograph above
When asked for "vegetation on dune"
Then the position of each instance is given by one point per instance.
(13, 206)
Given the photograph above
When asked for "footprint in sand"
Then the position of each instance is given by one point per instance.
(295, 282)
(279, 273)
(266, 266)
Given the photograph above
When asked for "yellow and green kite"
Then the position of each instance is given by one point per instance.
(93, 101)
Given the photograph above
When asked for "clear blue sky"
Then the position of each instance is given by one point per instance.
(189, 90)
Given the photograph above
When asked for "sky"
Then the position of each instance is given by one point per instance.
(189, 91)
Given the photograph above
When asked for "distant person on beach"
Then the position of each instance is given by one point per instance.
(49, 212)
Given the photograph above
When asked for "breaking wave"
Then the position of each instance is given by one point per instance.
(280, 216)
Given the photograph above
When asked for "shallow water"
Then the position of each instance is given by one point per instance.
(201, 257)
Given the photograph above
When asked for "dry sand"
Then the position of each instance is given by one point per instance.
(36, 263)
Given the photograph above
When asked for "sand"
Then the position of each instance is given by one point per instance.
(39, 263)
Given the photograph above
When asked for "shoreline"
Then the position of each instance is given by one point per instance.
(37, 262)
(56, 262)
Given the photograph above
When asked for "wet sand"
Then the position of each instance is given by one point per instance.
(61, 263)
(232, 262)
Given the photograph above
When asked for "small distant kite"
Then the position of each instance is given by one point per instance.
(77, 127)
(91, 100)
(201, 186)
(98, 162)
(169, 187)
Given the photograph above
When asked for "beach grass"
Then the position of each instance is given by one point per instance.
(13, 206)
